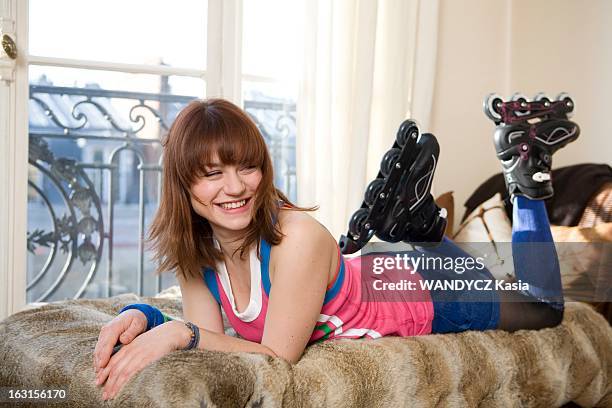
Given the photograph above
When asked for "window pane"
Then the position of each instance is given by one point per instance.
(273, 108)
(94, 178)
(134, 31)
(272, 48)
(272, 38)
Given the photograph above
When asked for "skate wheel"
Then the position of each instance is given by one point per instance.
(389, 160)
(517, 96)
(541, 97)
(492, 107)
(568, 102)
(373, 190)
(522, 99)
(408, 129)
(357, 223)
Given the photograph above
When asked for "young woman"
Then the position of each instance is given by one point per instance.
(236, 242)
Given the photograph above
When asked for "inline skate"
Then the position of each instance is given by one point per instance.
(527, 134)
(398, 205)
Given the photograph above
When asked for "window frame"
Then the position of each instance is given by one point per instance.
(13, 159)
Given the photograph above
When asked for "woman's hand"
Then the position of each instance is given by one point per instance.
(145, 349)
(125, 327)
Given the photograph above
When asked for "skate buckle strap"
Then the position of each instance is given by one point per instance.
(540, 177)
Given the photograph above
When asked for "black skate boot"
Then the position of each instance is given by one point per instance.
(398, 205)
(526, 136)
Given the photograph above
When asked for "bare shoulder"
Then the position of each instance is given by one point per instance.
(304, 239)
(299, 225)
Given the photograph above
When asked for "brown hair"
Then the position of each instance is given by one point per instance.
(182, 239)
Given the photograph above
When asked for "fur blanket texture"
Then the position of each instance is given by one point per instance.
(51, 347)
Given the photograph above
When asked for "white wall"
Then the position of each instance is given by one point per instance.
(472, 62)
(521, 45)
(566, 45)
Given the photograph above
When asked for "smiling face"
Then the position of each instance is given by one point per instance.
(215, 159)
(225, 196)
(219, 160)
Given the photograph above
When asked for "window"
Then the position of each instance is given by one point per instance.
(106, 82)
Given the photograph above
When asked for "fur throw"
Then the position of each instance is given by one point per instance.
(51, 347)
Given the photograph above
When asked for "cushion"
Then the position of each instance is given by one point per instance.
(599, 208)
(574, 187)
(487, 230)
(585, 258)
(598, 233)
(51, 347)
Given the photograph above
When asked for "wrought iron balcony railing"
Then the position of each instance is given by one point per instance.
(95, 167)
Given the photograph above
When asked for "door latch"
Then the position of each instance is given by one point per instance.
(9, 46)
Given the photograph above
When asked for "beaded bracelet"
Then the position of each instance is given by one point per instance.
(195, 336)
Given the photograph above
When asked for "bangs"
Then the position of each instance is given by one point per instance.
(225, 138)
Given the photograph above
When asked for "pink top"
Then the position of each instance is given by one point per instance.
(347, 312)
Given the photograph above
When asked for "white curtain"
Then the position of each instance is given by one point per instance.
(369, 64)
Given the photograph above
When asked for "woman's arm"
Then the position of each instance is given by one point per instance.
(301, 267)
(303, 264)
(199, 305)
(218, 342)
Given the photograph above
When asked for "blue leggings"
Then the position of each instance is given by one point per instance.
(535, 263)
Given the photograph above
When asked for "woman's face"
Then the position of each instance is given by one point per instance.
(225, 196)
